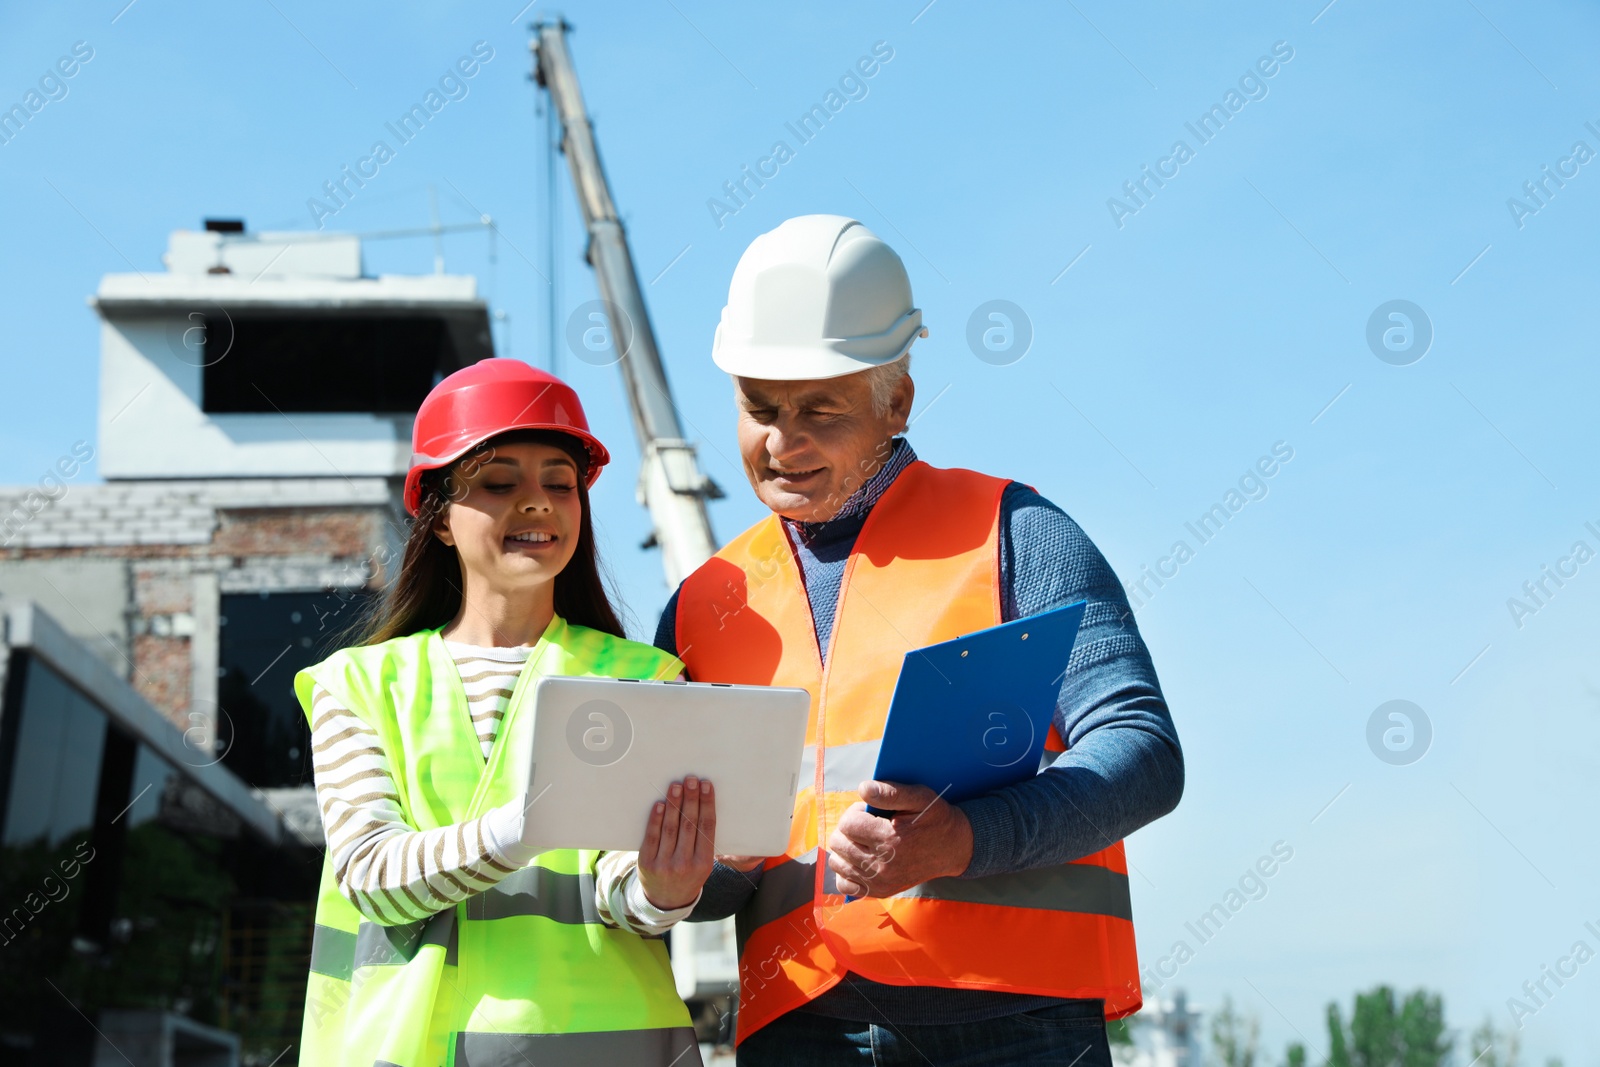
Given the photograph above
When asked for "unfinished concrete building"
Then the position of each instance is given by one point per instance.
(255, 410)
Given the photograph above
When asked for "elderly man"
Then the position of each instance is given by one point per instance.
(997, 930)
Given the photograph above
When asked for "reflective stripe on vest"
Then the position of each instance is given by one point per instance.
(614, 1048)
(523, 967)
(338, 953)
(924, 569)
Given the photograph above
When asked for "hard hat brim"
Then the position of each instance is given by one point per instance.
(810, 362)
(599, 456)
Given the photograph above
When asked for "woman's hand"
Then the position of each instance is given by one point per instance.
(676, 856)
(742, 863)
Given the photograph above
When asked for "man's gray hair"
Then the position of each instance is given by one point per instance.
(883, 379)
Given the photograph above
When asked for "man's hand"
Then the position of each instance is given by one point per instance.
(676, 856)
(878, 857)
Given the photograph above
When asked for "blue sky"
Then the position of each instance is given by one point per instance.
(1227, 314)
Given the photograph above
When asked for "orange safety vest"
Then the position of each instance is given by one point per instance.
(925, 568)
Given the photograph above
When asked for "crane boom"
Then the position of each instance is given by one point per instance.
(671, 485)
(705, 959)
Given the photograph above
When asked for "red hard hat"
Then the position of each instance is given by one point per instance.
(489, 398)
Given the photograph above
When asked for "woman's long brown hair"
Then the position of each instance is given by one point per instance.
(427, 592)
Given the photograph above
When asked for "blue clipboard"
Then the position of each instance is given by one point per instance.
(970, 716)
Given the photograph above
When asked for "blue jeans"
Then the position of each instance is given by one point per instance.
(1072, 1034)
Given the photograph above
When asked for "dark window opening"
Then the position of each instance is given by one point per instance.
(327, 363)
(266, 638)
(129, 887)
(56, 766)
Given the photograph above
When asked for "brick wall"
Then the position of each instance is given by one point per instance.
(301, 540)
(319, 531)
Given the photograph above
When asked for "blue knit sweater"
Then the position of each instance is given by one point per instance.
(1122, 769)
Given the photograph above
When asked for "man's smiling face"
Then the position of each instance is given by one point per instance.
(808, 445)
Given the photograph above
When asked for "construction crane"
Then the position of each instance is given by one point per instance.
(671, 484)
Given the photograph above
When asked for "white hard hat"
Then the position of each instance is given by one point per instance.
(818, 297)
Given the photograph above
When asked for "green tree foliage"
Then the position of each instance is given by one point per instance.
(1489, 1048)
(1338, 1049)
(1382, 1033)
(1295, 1055)
(1234, 1037)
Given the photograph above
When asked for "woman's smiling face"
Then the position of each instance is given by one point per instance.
(513, 517)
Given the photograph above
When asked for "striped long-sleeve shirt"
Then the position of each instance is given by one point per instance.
(394, 873)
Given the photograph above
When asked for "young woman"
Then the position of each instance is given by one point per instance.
(441, 936)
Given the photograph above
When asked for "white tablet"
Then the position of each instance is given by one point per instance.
(606, 749)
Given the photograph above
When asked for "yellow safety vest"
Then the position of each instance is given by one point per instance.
(521, 973)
